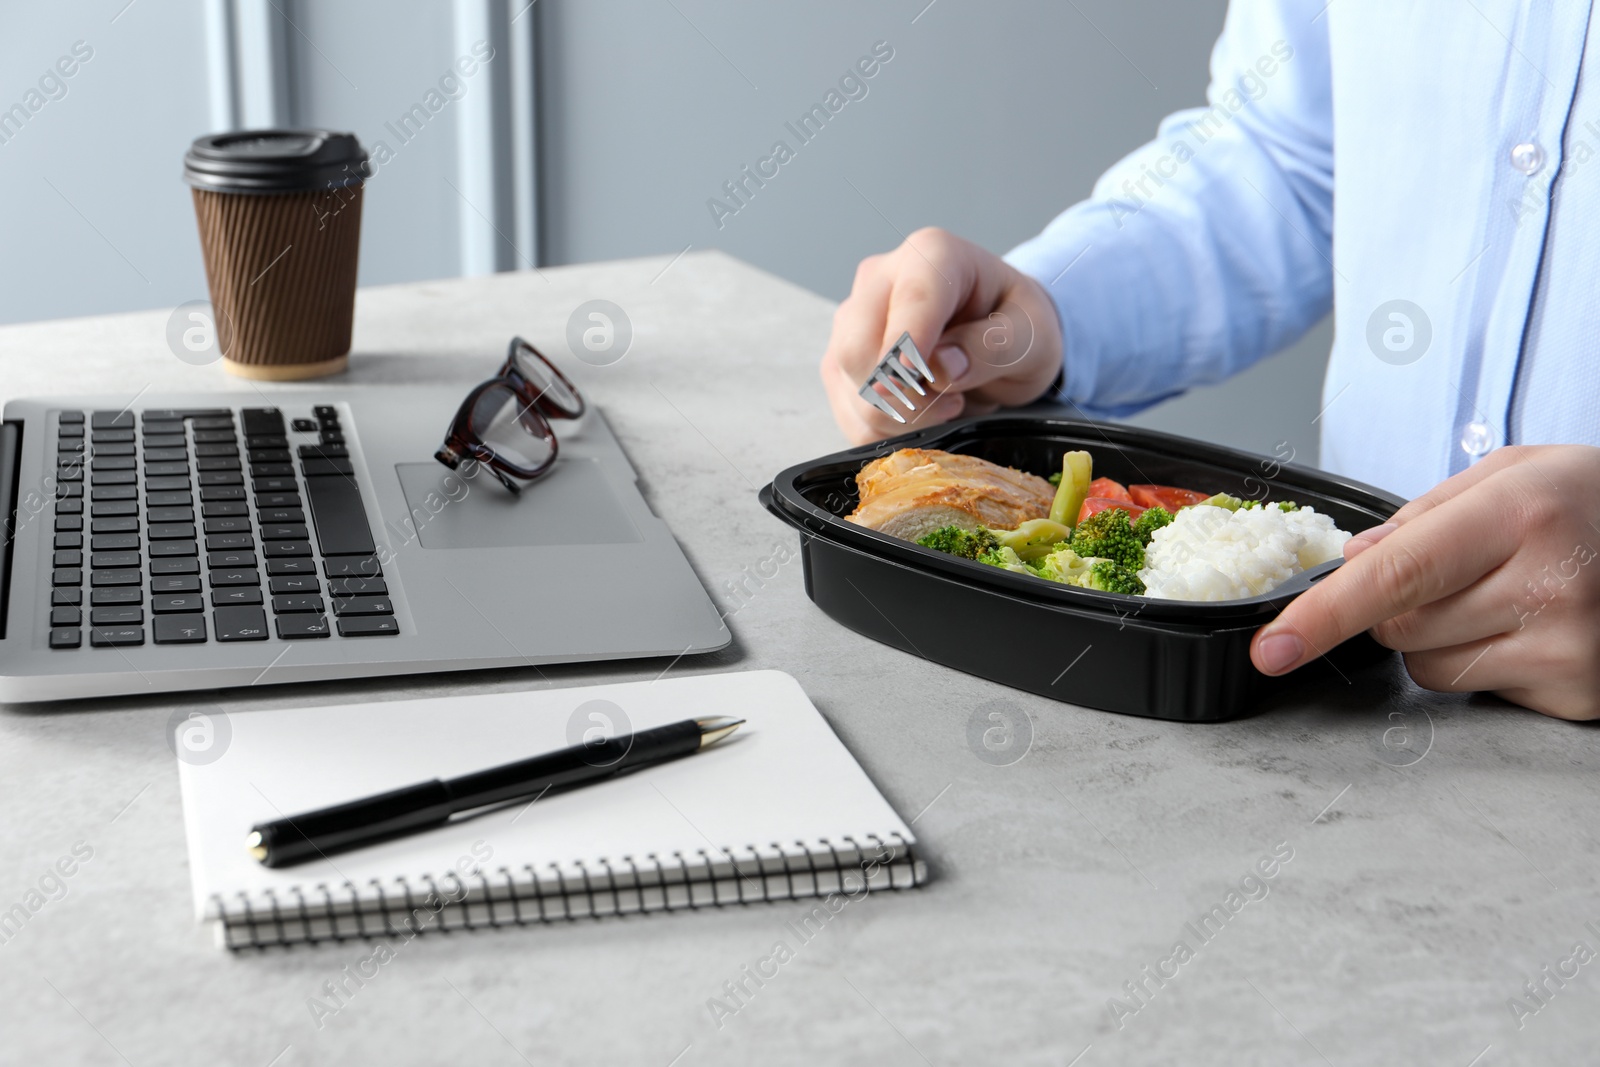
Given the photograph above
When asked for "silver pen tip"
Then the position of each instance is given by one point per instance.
(716, 727)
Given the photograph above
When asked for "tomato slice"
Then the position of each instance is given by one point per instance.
(1166, 496)
(1101, 503)
(1106, 489)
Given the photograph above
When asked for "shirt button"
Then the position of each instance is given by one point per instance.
(1477, 439)
(1527, 157)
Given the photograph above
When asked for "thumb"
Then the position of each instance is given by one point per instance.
(995, 350)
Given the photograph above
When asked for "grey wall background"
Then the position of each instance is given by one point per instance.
(990, 118)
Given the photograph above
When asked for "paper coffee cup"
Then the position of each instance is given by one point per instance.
(280, 226)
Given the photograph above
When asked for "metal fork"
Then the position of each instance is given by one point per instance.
(890, 370)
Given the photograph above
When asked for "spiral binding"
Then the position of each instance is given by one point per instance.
(617, 888)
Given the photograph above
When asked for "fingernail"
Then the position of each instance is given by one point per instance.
(1278, 652)
(954, 362)
(1367, 538)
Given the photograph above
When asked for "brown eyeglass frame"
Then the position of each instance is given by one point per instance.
(537, 409)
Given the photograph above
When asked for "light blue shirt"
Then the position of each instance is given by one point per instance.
(1466, 296)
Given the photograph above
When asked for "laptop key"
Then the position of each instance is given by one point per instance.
(233, 557)
(114, 526)
(294, 583)
(73, 540)
(225, 509)
(352, 567)
(123, 595)
(66, 596)
(284, 531)
(288, 604)
(63, 637)
(363, 605)
(175, 564)
(291, 627)
(114, 561)
(340, 517)
(235, 595)
(165, 515)
(67, 557)
(118, 493)
(109, 636)
(172, 531)
(160, 549)
(170, 467)
(174, 483)
(218, 542)
(72, 418)
(281, 549)
(114, 508)
(115, 577)
(170, 440)
(343, 587)
(217, 463)
(176, 605)
(103, 478)
(284, 515)
(126, 615)
(224, 524)
(368, 626)
(118, 542)
(103, 462)
(179, 629)
(66, 576)
(240, 623)
(67, 523)
(218, 446)
(164, 455)
(168, 499)
(222, 492)
(209, 478)
(69, 507)
(292, 565)
(277, 500)
(66, 616)
(276, 485)
(236, 577)
(319, 467)
(261, 420)
(170, 583)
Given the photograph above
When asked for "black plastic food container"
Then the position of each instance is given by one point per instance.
(1138, 655)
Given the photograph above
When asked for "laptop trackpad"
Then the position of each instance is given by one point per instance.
(572, 505)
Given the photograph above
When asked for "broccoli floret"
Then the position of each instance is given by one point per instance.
(968, 544)
(1109, 535)
(1055, 479)
(1034, 538)
(1064, 566)
(1145, 526)
(1006, 559)
(1111, 577)
(1077, 471)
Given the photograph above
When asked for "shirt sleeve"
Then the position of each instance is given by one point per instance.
(1211, 246)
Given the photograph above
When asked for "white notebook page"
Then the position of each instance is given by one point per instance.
(783, 777)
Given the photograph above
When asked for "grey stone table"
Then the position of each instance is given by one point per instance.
(1440, 849)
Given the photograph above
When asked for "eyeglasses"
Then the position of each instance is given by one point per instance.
(505, 422)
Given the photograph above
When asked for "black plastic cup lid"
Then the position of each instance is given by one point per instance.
(276, 161)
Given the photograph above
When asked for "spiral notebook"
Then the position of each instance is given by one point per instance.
(780, 810)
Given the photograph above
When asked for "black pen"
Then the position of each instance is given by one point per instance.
(426, 805)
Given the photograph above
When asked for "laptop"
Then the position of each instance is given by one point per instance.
(214, 540)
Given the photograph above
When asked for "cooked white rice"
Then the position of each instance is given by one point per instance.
(1211, 553)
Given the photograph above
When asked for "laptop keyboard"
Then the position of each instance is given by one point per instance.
(184, 527)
